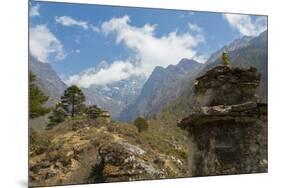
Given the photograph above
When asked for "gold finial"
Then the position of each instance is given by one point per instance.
(225, 58)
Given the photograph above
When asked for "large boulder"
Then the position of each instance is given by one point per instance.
(121, 161)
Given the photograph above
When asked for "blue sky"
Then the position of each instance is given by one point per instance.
(75, 38)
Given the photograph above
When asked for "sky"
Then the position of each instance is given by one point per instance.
(94, 44)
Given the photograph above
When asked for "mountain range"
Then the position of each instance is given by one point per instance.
(253, 54)
(164, 85)
(47, 79)
(166, 91)
(112, 97)
(117, 95)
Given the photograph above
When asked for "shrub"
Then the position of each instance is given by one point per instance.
(58, 115)
(93, 112)
(39, 143)
(141, 124)
(59, 155)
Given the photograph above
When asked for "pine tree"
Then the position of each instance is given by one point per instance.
(58, 115)
(141, 124)
(36, 99)
(93, 111)
(73, 101)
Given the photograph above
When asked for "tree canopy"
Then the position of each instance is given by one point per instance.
(73, 101)
(37, 99)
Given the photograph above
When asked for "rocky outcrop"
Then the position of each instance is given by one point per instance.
(122, 161)
(95, 152)
(230, 129)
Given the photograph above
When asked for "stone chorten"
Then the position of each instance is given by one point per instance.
(224, 85)
(230, 130)
(105, 116)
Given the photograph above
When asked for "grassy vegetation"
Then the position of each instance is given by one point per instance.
(38, 142)
(165, 138)
(72, 145)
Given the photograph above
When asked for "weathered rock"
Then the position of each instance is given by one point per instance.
(230, 129)
(122, 161)
(229, 143)
(105, 116)
(227, 109)
(224, 85)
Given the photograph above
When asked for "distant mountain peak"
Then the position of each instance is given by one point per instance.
(163, 85)
(47, 79)
(234, 45)
(186, 60)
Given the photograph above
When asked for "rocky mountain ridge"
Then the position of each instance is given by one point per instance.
(254, 54)
(112, 97)
(136, 96)
(163, 86)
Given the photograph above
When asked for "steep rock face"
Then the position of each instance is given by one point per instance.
(236, 44)
(230, 130)
(163, 86)
(51, 85)
(47, 79)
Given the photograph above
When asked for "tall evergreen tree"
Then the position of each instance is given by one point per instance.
(73, 101)
(36, 99)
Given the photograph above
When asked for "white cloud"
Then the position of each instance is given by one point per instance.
(195, 27)
(75, 51)
(246, 24)
(43, 43)
(68, 21)
(94, 28)
(34, 10)
(147, 50)
(118, 70)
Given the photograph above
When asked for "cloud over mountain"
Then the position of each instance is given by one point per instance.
(246, 24)
(43, 43)
(116, 71)
(147, 51)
